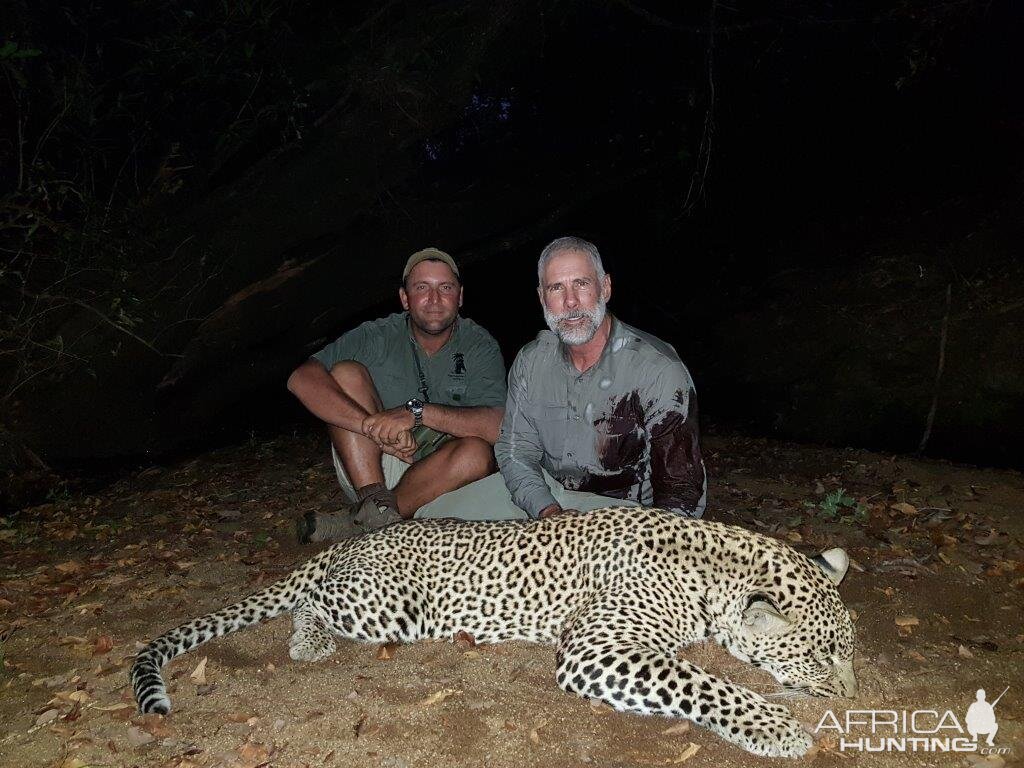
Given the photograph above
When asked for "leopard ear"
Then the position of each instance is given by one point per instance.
(762, 617)
(834, 562)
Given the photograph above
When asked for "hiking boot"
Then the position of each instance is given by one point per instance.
(326, 526)
(371, 515)
(349, 520)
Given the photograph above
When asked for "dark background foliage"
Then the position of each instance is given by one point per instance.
(195, 196)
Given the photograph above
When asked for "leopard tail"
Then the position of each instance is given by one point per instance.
(279, 597)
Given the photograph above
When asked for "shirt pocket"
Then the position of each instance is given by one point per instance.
(553, 424)
(456, 394)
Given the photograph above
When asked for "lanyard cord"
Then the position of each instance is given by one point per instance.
(424, 395)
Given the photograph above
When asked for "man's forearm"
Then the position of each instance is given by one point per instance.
(323, 397)
(528, 488)
(470, 421)
(519, 463)
(678, 476)
(519, 452)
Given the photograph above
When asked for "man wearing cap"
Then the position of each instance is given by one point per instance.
(412, 402)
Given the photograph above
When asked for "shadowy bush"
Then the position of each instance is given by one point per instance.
(119, 114)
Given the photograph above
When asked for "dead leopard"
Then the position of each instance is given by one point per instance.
(618, 592)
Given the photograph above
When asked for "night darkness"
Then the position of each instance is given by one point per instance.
(782, 193)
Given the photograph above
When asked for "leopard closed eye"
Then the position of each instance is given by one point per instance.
(617, 591)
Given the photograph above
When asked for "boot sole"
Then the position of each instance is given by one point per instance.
(305, 527)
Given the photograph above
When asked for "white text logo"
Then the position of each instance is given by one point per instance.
(919, 730)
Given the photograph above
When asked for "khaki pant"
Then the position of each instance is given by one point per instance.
(393, 471)
(429, 440)
(489, 499)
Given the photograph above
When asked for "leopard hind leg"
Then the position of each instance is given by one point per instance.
(371, 604)
(311, 640)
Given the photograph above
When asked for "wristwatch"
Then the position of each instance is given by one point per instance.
(415, 406)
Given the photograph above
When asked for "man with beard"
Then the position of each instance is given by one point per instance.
(412, 403)
(598, 413)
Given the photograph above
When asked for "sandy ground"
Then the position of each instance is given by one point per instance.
(937, 592)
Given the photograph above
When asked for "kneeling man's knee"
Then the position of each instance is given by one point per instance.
(350, 373)
(476, 457)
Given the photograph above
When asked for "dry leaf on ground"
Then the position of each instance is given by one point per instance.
(138, 737)
(77, 696)
(53, 682)
(535, 731)
(681, 727)
(386, 652)
(362, 728)
(114, 707)
(439, 696)
(687, 753)
(47, 717)
(156, 725)
(198, 675)
(254, 754)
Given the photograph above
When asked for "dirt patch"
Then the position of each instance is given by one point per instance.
(937, 589)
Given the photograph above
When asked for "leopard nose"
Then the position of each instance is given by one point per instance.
(847, 680)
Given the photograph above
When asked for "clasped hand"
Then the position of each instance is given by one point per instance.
(556, 509)
(391, 430)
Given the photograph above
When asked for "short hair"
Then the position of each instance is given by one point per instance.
(569, 244)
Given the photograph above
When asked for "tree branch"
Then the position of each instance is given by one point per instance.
(938, 374)
(103, 317)
(698, 179)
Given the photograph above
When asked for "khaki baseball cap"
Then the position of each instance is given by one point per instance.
(427, 254)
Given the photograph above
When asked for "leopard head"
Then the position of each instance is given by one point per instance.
(791, 622)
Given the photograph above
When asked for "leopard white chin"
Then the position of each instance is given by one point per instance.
(677, 581)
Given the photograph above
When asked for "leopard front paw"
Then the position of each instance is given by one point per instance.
(786, 739)
(769, 731)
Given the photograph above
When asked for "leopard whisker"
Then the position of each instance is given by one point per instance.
(789, 693)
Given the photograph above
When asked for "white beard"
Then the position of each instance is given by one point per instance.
(574, 337)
